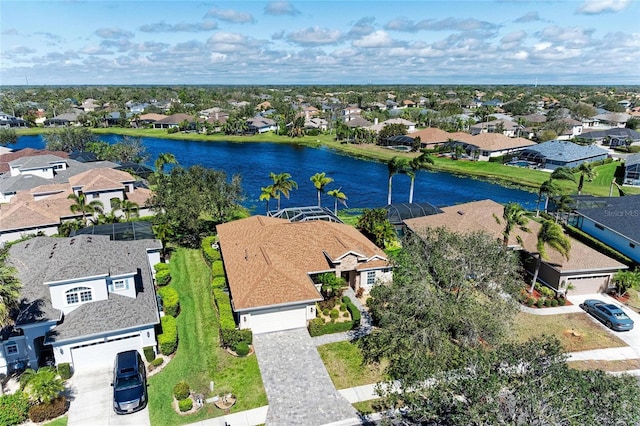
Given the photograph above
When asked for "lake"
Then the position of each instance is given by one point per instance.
(364, 182)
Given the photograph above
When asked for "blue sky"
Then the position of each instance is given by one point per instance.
(320, 42)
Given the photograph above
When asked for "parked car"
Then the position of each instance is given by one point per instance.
(612, 316)
(129, 383)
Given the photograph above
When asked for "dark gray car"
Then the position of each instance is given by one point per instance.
(129, 383)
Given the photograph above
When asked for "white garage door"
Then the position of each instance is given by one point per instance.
(101, 355)
(590, 285)
(277, 320)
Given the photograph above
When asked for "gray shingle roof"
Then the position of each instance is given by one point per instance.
(621, 214)
(43, 259)
(10, 184)
(632, 160)
(565, 151)
(37, 161)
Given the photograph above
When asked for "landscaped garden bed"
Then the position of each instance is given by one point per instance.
(543, 297)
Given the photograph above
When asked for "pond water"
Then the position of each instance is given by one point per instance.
(364, 182)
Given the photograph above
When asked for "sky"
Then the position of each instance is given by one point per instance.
(357, 42)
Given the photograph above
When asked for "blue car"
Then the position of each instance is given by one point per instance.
(612, 316)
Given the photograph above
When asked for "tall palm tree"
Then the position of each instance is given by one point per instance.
(339, 196)
(320, 180)
(282, 185)
(547, 189)
(164, 159)
(129, 208)
(414, 165)
(9, 293)
(81, 206)
(552, 235)
(514, 216)
(586, 171)
(266, 194)
(395, 165)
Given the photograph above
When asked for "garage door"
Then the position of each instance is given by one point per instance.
(277, 320)
(590, 285)
(102, 354)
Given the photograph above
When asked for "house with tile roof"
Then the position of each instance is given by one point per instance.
(271, 264)
(556, 153)
(83, 300)
(259, 124)
(615, 222)
(174, 121)
(378, 126)
(431, 137)
(587, 269)
(484, 146)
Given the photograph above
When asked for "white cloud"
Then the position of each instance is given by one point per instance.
(594, 7)
(528, 17)
(113, 33)
(315, 36)
(281, 8)
(162, 27)
(514, 37)
(376, 39)
(230, 15)
(217, 57)
(521, 55)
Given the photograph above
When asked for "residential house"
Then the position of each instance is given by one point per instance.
(7, 121)
(613, 119)
(377, 127)
(506, 127)
(263, 106)
(573, 129)
(150, 118)
(587, 269)
(89, 105)
(259, 124)
(271, 263)
(66, 119)
(351, 112)
(83, 300)
(431, 137)
(174, 121)
(484, 146)
(632, 170)
(615, 222)
(358, 122)
(316, 123)
(553, 154)
(611, 137)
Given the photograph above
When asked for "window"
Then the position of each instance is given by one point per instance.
(79, 294)
(11, 349)
(371, 277)
(95, 195)
(119, 285)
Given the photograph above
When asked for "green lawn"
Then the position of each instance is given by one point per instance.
(61, 421)
(199, 359)
(346, 367)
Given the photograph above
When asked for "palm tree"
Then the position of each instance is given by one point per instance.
(163, 159)
(395, 165)
(129, 208)
(9, 293)
(414, 165)
(339, 196)
(266, 195)
(43, 385)
(514, 216)
(564, 204)
(552, 235)
(547, 189)
(282, 185)
(320, 180)
(163, 232)
(586, 171)
(81, 206)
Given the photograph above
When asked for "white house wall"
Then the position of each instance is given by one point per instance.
(129, 283)
(277, 319)
(380, 277)
(44, 172)
(105, 198)
(9, 236)
(59, 300)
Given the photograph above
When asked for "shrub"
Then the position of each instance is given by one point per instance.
(14, 408)
(547, 302)
(327, 304)
(170, 300)
(355, 314)
(48, 410)
(326, 312)
(346, 314)
(160, 267)
(343, 307)
(185, 404)
(225, 313)
(346, 299)
(562, 301)
(181, 390)
(219, 282)
(317, 327)
(163, 277)
(554, 303)
(168, 340)
(157, 362)
(230, 338)
(540, 303)
(64, 370)
(334, 314)
(531, 301)
(217, 269)
(209, 253)
(242, 349)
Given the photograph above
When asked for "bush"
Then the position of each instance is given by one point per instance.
(163, 277)
(334, 314)
(48, 410)
(554, 303)
(540, 303)
(327, 304)
(230, 338)
(562, 301)
(343, 307)
(157, 362)
(160, 267)
(209, 253)
(346, 299)
(326, 312)
(547, 302)
(346, 314)
(14, 408)
(185, 404)
(181, 390)
(217, 269)
(170, 300)
(225, 313)
(168, 339)
(355, 314)
(317, 327)
(64, 370)
(219, 282)
(242, 349)
(531, 301)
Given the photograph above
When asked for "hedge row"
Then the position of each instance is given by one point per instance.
(163, 277)
(168, 340)
(231, 338)
(217, 269)
(209, 253)
(64, 370)
(317, 327)
(225, 313)
(353, 310)
(170, 301)
(219, 282)
(13, 408)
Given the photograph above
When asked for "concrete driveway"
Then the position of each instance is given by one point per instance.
(92, 402)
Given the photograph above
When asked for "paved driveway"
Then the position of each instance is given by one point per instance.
(92, 402)
(298, 386)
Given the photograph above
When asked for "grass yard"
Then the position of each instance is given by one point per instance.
(346, 367)
(370, 407)
(60, 421)
(199, 359)
(576, 331)
(611, 366)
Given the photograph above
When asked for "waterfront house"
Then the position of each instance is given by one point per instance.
(632, 170)
(553, 154)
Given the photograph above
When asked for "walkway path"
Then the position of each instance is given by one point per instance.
(298, 386)
(364, 329)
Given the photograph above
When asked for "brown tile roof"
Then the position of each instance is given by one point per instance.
(139, 196)
(431, 135)
(493, 141)
(267, 260)
(176, 119)
(480, 216)
(100, 179)
(5, 159)
(152, 117)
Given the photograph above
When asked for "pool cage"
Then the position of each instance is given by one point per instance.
(305, 214)
(125, 231)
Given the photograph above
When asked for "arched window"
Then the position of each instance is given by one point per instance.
(78, 294)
